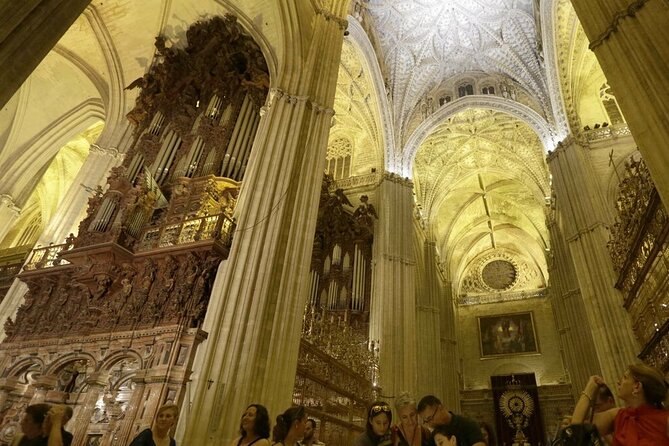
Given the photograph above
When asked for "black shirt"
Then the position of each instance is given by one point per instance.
(467, 431)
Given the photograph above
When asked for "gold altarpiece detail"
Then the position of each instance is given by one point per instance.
(639, 251)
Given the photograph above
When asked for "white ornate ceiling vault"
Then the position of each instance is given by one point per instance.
(422, 43)
(481, 181)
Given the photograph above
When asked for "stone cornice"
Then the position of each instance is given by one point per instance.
(395, 178)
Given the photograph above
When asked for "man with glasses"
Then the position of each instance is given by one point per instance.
(435, 416)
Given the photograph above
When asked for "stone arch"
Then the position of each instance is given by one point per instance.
(542, 128)
(361, 39)
(24, 365)
(28, 167)
(60, 363)
(115, 357)
(548, 13)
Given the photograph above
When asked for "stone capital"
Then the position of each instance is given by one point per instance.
(8, 202)
(46, 382)
(111, 152)
(98, 379)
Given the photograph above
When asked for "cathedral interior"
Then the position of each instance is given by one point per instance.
(326, 202)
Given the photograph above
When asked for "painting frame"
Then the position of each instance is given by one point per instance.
(509, 334)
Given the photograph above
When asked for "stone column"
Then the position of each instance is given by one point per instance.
(392, 318)
(74, 204)
(630, 40)
(450, 356)
(9, 212)
(430, 365)
(28, 31)
(582, 207)
(257, 301)
(576, 341)
(97, 382)
(7, 386)
(43, 385)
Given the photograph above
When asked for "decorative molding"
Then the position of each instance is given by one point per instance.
(502, 297)
(8, 202)
(111, 152)
(618, 17)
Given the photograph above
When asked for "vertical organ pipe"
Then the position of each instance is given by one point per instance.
(230, 152)
(241, 138)
(245, 160)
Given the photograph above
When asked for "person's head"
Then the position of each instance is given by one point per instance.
(441, 437)
(166, 417)
(486, 431)
(31, 422)
(310, 429)
(432, 412)
(255, 421)
(293, 421)
(643, 382)
(379, 417)
(406, 410)
(604, 399)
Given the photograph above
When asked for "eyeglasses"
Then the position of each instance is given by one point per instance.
(429, 419)
(380, 408)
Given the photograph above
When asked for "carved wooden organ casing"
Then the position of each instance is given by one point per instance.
(111, 320)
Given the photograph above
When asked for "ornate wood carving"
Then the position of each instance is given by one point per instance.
(638, 248)
(111, 320)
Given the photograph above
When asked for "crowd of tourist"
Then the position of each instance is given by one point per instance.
(643, 421)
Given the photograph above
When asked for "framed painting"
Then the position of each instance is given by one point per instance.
(507, 334)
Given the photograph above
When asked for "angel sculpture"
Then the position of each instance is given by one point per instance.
(365, 213)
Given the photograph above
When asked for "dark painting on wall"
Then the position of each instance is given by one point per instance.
(507, 334)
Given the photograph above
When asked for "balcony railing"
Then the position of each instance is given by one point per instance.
(212, 227)
(47, 257)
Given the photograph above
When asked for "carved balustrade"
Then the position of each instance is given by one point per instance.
(610, 132)
(211, 227)
(47, 257)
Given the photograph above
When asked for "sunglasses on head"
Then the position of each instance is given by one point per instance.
(380, 408)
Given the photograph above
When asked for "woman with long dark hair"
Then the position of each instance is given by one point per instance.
(290, 426)
(377, 428)
(254, 427)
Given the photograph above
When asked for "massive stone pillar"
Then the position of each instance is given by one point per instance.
(28, 31)
(255, 312)
(392, 320)
(630, 40)
(72, 207)
(450, 357)
(580, 203)
(9, 212)
(578, 348)
(430, 368)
